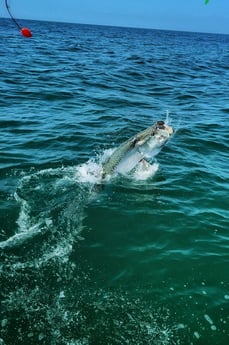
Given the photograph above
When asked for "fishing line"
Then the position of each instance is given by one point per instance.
(24, 31)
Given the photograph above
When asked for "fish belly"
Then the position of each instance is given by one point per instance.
(128, 162)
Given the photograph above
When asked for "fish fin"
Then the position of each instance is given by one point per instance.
(145, 164)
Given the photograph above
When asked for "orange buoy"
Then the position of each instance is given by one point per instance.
(26, 32)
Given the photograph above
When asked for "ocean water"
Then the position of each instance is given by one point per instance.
(139, 260)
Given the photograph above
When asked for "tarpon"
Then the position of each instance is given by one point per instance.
(141, 148)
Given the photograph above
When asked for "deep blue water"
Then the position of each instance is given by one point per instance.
(133, 261)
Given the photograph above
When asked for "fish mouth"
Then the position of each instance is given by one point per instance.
(163, 130)
(160, 125)
(164, 126)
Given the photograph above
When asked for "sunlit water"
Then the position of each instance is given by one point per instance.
(137, 259)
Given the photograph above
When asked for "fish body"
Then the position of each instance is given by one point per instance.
(144, 146)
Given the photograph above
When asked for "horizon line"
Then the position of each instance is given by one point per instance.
(115, 26)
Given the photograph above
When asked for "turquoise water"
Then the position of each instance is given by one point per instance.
(132, 261)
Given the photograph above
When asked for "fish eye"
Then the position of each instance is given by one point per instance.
(160, 124)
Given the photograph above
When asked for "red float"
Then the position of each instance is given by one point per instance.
(26, 32)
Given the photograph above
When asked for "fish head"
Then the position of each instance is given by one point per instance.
(162, 132)
(155, 138)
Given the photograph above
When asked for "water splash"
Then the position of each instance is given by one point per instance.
(145, 171)
(54, 300)
(52, 198)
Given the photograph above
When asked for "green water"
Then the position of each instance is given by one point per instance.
(131, 261)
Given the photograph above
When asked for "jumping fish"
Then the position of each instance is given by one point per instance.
(139, 149)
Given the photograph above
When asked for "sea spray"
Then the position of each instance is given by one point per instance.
(41, 276)
(50, 222)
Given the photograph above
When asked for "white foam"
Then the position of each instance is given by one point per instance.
(23, 219)
(145, 171)
(90, 172)
(61, 251)
(26, 230)
(29, 224)
(21, 237)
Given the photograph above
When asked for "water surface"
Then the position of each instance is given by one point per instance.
(136, 261)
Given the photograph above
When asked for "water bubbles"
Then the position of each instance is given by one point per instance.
(4, 323)
(196, 335)
(62, 295)
(41, 336)
(180, 326)
(209, 320)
